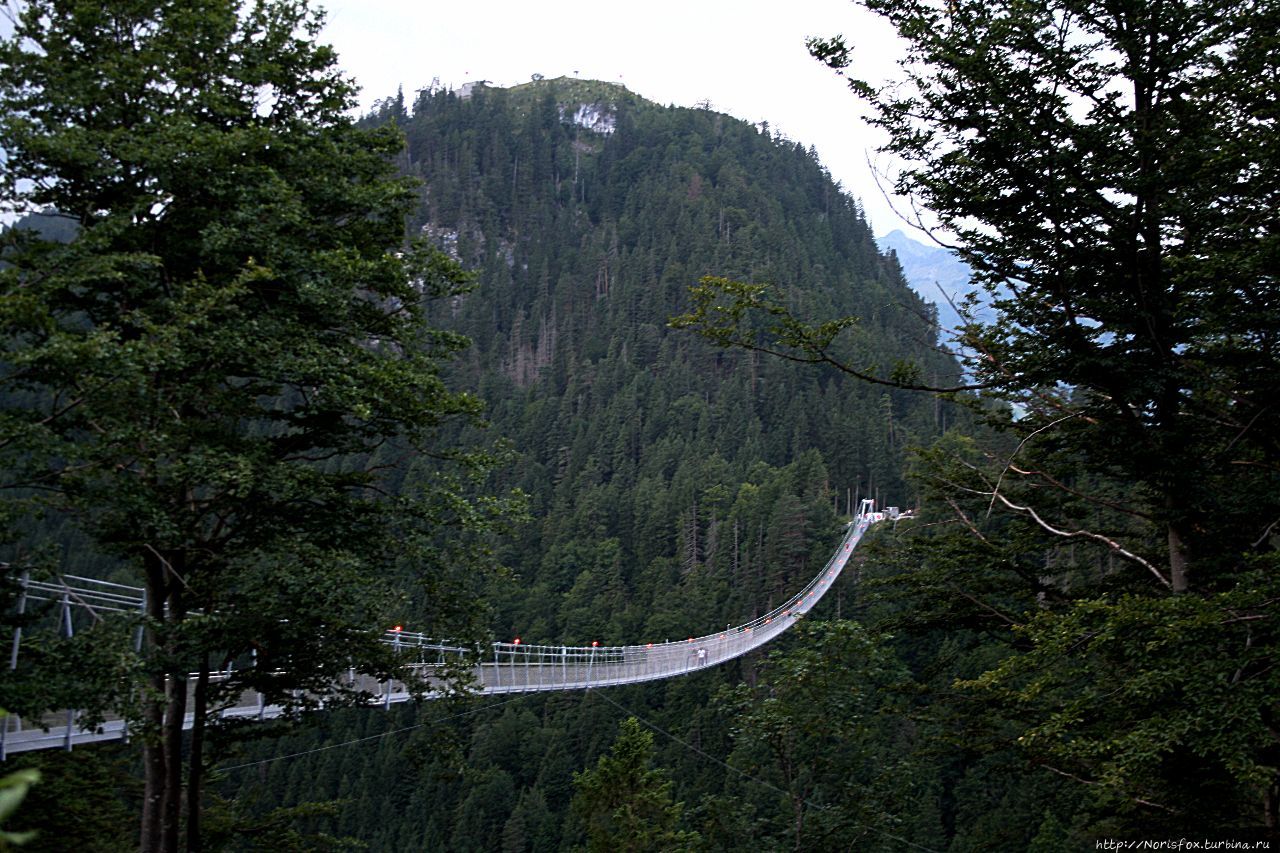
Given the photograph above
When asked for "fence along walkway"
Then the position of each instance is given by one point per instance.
(514, 667)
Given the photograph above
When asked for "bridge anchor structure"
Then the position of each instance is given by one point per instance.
(509, 667)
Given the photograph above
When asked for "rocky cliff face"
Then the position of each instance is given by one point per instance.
(597, 118)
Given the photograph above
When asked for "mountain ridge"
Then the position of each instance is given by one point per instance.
(935, 273)
(674, 486)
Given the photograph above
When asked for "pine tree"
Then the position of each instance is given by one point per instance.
(213, 357)
(1110, 172)
(627, 804)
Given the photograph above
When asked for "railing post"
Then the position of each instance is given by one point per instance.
(262, 700)
(71, 712)
(17, 632)
(231, 668)
(386, 691)
(138, 634)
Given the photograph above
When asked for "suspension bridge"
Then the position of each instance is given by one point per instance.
(509, 667)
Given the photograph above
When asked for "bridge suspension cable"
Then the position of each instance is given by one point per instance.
(509, 667)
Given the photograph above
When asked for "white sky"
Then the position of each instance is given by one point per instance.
(746, 57)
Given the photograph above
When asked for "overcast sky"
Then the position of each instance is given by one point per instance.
(746, 57)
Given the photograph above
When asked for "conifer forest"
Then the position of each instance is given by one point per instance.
(556, 365)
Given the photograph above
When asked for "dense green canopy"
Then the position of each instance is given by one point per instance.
(213, 380)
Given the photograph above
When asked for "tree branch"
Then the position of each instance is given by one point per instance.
(1021, 444)
(1084, 781)
(1098, 537)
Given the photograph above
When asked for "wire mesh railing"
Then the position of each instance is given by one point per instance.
(507, 667)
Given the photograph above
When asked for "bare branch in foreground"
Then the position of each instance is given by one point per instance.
(1088, 534)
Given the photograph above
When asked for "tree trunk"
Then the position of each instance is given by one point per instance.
(153, 760)
(1179, 563)
(153, 751)
(1271, 808)
(175, 715)
(195, 768)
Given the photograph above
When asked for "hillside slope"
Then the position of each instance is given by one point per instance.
(587, 212)
(674, 487)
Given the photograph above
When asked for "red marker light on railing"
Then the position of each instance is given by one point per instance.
(595, 643)
(517, 642)
(398, 628)
(649, 646)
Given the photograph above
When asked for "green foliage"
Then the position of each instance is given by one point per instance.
(13, 790)
(228, 828)
(1142, 708)
(625, 803)
(1108, 172)
(825, 728)
(749, 316)
(219, 379)
(83, 801)
(726, 320)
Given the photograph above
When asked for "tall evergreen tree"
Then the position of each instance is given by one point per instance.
(625, 803)
(196, 378)
(1110, 172)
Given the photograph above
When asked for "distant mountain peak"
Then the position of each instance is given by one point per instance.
(932, 271)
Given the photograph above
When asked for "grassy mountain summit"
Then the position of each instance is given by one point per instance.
(575, 90)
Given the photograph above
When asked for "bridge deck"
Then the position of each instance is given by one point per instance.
(513, 667)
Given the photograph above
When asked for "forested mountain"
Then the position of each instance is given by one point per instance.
(635, 440)
(673, 486)
(559, 365)
(248, 370)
